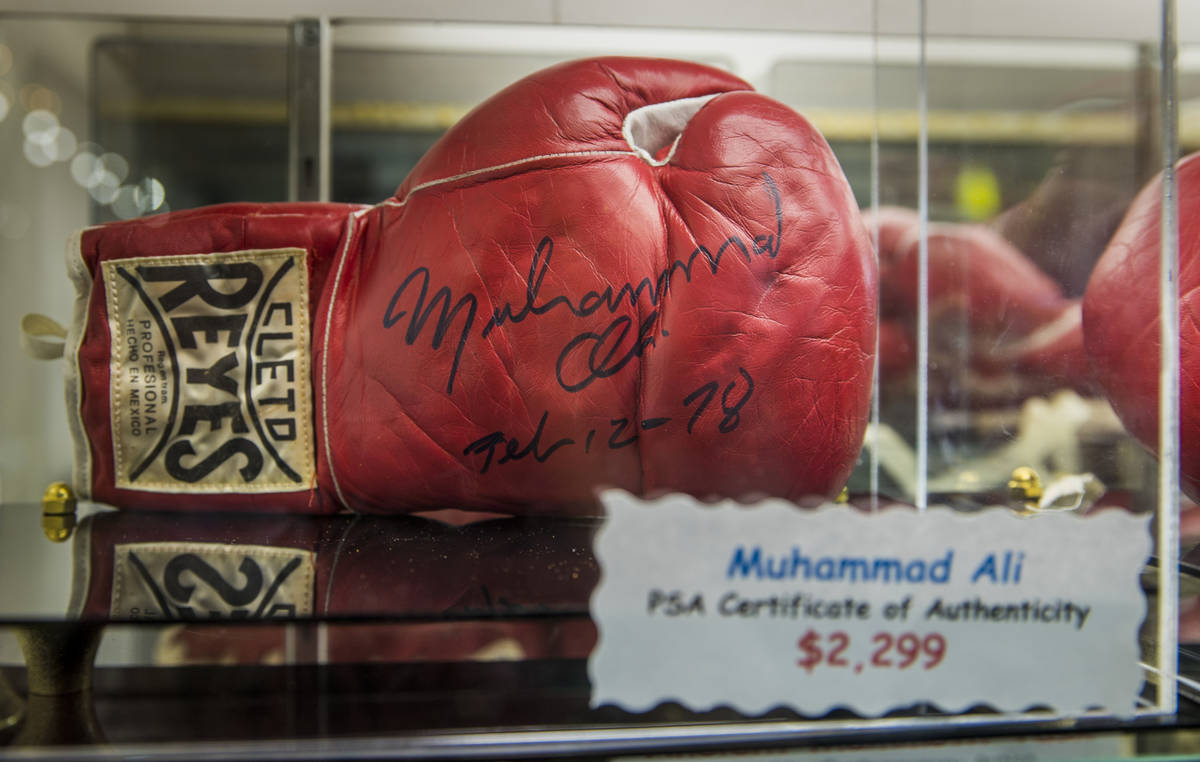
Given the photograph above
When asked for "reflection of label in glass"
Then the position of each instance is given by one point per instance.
(193, 580)
(209, 373)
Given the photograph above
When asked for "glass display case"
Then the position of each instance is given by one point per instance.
(968, 313)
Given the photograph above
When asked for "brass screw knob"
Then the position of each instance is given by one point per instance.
(58, 512)
(1024, 486)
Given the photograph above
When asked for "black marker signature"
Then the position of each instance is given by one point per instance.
(604, 352)
(603, 346)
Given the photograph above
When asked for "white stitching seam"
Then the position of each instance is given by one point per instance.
(337, 282)
(506, 165)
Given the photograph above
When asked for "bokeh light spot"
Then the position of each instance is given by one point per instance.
(38, 98)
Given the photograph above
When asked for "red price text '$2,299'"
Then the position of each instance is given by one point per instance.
(888, 651)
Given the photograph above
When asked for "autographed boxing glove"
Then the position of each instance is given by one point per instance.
(626, 272)
(1121, 318)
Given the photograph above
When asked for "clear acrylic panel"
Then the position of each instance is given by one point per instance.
(1026, 185)
(992, 172)
(103, 120)
(177, 101)
(108, 120)
(1037, 150)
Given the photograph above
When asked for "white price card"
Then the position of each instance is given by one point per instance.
(767, 605)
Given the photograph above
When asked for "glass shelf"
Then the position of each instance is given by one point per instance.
(424, 638)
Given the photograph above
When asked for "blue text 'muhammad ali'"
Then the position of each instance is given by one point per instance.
(752, 563)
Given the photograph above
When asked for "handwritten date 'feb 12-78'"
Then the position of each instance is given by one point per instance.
(623, 433)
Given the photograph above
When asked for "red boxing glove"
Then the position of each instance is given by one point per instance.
(625, 272)
(1121, 319)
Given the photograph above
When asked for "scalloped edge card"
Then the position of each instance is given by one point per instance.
(768, 605)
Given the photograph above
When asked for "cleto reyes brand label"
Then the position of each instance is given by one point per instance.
(209, 374)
